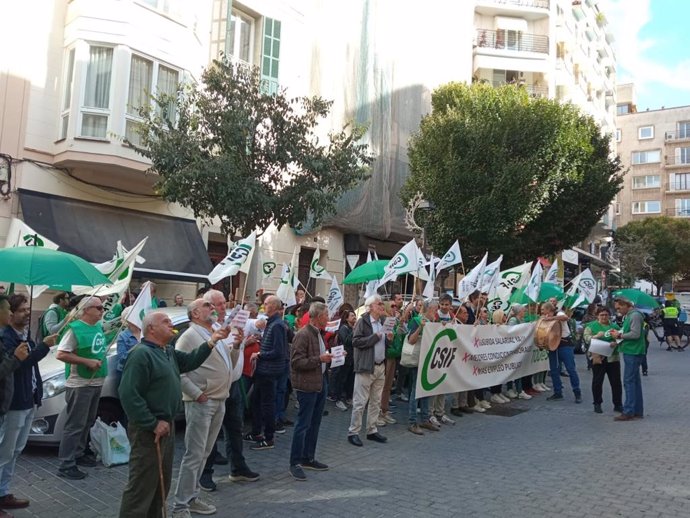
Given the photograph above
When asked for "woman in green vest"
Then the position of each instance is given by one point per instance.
(603, 366)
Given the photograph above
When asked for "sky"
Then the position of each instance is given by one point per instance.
(652, 45)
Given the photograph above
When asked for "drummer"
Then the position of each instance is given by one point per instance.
(565, 353)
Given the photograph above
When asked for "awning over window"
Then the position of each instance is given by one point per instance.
(174, 249)
(510, 24)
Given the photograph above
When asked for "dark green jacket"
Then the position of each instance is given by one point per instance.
(150, 389)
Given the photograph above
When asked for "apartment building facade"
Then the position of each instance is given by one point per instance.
(654, 146)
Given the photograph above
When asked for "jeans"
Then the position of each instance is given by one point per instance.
(306, 432)
(142, 495)
(82, 406)
(564, 354)
(633, 384)
(423, 402)
(203, 424)
(281, 392)
(264, 406)
(15, 433)
(613, 371)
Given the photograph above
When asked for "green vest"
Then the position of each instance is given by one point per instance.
(632, 346)
(91, 344)
(670, 312)
(61, 314)
(595, 327)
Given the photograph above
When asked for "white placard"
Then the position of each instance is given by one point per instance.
(337, 356)
(601, 347)
(240, 319)
(389, 324)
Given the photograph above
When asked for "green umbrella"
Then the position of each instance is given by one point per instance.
(548, 290)
(637, 297)
(36, 265)
(371, 271)
(519, 297)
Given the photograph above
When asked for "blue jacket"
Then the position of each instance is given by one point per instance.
(24, 396)
(274, 357)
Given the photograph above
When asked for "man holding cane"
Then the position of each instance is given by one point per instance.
(150, 393)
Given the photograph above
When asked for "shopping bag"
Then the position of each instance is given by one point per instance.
(110, 443)
(410, 353)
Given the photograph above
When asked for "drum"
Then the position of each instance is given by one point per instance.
(548, 334)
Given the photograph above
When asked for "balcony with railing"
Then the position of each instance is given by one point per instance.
(682, 160)
(512, 41)
(682, 212)
(678, 136)
(533, 90)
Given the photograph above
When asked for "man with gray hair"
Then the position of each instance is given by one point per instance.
(369, 346)
(308, 373)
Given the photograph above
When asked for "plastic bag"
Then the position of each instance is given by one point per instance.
(410, 353)
(110, 443)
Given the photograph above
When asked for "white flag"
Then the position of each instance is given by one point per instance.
(335, 298)
(371, 285)
(452, 257)
(352, 260)
(509, 280)
(286, 290)
(587, 286)
(21, 234)
(234, 260)
(470, 281)
(428, 292)
(421, 272)
(534, 284)
(552, 274)
(119, 271)
(316, 271)
(405, 261)
(141, 306)
(490, 277)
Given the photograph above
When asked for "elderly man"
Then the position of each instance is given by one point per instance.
(27, 395)
(233, 421)
(204, 391)
(308, 373)
(178, 301)
(633, 348)
(84, 349)
(270, 365)
(369, 346)
(150, 395)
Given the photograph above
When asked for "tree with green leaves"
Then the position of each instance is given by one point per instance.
(227, 148)
(508, 173)
(654, 249)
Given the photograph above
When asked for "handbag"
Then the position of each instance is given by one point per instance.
(110, 443)
(410, 353)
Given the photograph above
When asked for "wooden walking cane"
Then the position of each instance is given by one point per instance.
(160, 477)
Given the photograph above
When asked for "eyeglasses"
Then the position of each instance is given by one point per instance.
(207, 305)
(97, 308)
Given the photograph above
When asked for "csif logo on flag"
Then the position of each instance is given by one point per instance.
(449, 257)
(32, 240)
(268, 267)
(335, 292)
(316, 268)
(239, 254)
(439, 357)
(401, 261)
(510, 279)
(587, 284)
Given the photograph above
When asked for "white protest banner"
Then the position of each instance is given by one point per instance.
(335, 298)
(451, 258)
(338, 356)
(352, 260)
(469, 283)
(316, 271)
(508, 281)
(456, 358)
(232, 263)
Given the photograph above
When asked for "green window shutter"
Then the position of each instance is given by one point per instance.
(270, 55)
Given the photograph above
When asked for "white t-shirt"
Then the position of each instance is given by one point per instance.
(565, 328)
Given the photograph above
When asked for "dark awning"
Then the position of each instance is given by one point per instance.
(174, 249)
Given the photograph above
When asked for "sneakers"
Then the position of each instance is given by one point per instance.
(244, 476)
(447, 420)
(538, 387)
(280, 427)
(404, 398)
(262, 445)
(198, 506)
(434, 420)
(496, 398)
(428, 425)
(72, 473)
(597, 409)
(479, 408)
(415, 429)
(512, 394)
(332, 399)
(381, 422)
(315, 465)
(545, 387)
(249, 437)
(485, 404)
(505, 398)
(524, 395)
(555, 397)
(389, 418)
(206, 483)
(297, 473)
(341, 406)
